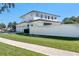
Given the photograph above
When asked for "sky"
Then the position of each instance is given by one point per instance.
(61, 9)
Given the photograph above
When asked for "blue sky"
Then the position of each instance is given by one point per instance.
(62, 9)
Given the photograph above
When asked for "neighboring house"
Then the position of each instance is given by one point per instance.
(41, 23)
(2, 30)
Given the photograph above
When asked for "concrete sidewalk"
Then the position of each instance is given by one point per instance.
(40, 49)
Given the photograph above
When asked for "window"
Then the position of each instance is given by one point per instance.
(55, 17)
(41, 16)
(45, 16)
(28, 25)
(37, 14)
(48, 17)
(31, 24)
(52, 17)
(47, 23)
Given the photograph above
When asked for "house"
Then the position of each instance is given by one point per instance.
(2, 30)
(41, 23)
(36, 18)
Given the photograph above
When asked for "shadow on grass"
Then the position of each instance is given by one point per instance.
(52, 37)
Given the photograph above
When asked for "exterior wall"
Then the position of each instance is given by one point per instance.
(21, 27)
(35, 17)
(56, 30)
(32, 16)
(28, 17)
(37, 23)
(41, 23)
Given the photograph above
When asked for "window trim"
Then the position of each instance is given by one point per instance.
(48, 17)
(52, 17)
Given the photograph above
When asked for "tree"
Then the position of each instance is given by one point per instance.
(77, 19)
(71, 20)
(9, 25)
(2, 25)
(5, 7)
(67, 21)
(14, 26)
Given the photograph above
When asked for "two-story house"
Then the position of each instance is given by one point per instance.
(41, 23)
(36, 18)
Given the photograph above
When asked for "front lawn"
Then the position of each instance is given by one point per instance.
(70, 44)
(8, 50)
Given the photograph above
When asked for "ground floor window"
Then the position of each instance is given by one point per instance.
(47, 23)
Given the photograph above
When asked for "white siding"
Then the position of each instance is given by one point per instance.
(56, 30)
(32, 16)
(41, 23)
(35, 17)
(28, 17)
(21, 27)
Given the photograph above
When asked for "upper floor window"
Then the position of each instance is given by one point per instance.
(52, 17)
(28, 25)
(48, 17)
(37, 14)
(31, 24)
(41, 16)
(55, 17)
(45, 16)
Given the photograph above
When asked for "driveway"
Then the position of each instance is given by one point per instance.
(40, 49)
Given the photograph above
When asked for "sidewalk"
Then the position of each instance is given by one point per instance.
(40, 49)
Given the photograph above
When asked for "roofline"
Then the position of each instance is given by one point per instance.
(39, 20)
(25, 14)
(43, 20)
(38, 11)
(46, 13)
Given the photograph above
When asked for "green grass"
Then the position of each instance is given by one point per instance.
(71, 44)
(8, 50)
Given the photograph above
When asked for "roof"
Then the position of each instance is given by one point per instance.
(40, 12)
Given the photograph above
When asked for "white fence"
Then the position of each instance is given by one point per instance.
(67, 30)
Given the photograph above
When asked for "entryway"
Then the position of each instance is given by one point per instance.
(26, 31)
